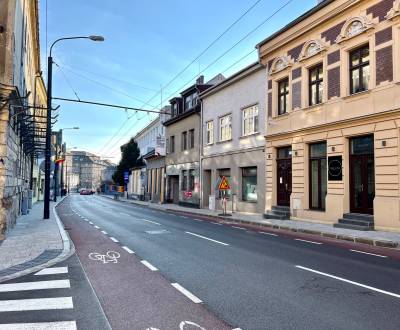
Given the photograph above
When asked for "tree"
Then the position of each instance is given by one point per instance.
(130, 157)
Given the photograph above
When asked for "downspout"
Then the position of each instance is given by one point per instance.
(201, 154)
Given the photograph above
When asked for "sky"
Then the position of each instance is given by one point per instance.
(147, 43)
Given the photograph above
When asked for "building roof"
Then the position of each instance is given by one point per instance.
(232, 79)
(307, 14)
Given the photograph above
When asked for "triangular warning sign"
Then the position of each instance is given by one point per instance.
(224, 184)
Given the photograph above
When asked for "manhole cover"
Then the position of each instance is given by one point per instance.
(157, 232)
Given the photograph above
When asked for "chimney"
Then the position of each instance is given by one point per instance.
(200, 80)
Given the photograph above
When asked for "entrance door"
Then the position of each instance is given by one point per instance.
(284, 176)
(362, 175)
(175, 190)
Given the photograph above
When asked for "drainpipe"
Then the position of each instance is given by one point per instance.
(201, 154)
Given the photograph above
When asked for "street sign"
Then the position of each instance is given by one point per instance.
(224, 184)
(126, 176)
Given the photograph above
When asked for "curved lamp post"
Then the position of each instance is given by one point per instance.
(46, 210)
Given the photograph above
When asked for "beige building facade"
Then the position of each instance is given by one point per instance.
(333, 128)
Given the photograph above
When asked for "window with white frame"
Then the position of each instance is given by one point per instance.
(210, 132)
(250, 120)
(225, 128)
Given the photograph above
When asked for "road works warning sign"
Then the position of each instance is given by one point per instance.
(224, 184)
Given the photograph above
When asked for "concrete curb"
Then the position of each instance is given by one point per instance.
(68, 250)
(347, 238)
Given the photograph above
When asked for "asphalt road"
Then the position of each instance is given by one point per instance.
(249, 279)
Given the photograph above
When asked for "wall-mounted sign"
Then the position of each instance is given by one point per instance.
(335, 168)
(187, 194)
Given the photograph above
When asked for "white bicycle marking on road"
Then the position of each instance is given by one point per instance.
(183, 326)
(110, 256)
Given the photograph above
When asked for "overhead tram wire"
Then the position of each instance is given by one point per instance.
(67, 80)
(202, 52)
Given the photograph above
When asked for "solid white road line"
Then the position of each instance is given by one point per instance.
(304, 240)
(238, 227)
(64, 325)
(265, 233)
(97, 227)
(156, 223)
(127, 249)
(53, 271)
(351, 282)
(104, 232)
(216, 223)
(185, 292)
(371, 254)
(149, 265)
(114, 239)
(36, 304)
(209, 239)
(40, 285)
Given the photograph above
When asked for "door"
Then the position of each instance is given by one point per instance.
(284, 176)
(362, 176)
(175, 191)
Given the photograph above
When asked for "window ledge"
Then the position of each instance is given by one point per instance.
(249, 135)
(313, 107)
(315, 210)
(252, 202)
(281, 116)
(219, 142)
(360, 94)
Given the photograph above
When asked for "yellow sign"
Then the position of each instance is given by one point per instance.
(224, 184)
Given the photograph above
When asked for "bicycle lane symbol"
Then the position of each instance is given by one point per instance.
(109, 257)
(185, 325)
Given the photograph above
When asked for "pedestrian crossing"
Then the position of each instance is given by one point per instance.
(40, 301)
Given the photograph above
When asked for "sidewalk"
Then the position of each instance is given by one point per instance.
(376, 238)
(33, 244)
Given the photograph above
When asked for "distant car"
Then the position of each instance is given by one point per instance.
(86, 192)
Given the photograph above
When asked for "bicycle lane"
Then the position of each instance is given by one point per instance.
(132, 295)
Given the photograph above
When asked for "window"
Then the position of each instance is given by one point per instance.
(172, 144)
(318, 176)
(190, 101)
(184, 180)
(225, 128)
(210, 132)
(191, 139)
(249, 184)
(191, 180)
(283, 96)
(184, 141)
(174, 110)
(359, 70)
(250, 120)
(315, 85)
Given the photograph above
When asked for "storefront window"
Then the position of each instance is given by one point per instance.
(249, 184)
(318, 176)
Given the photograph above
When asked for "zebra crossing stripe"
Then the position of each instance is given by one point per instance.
(39, 285)
(19, 305)
(53, 271)
(64, 325)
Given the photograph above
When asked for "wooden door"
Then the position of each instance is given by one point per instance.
(362, 183)
(284, 181)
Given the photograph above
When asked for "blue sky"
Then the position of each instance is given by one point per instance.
(147, 44)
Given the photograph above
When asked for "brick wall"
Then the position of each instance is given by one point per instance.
(296, 95)
(383, 36)
(334, 82)
(295, 52)
(380, 9)
(334, 57)
(331, 34)
(384, 65)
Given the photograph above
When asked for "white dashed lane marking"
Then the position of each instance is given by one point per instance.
(149, 265)
(127, 249)
(114, 239)
(304, 240)
(206, 238)
(370, 254)
(185, 292)
(269, 234)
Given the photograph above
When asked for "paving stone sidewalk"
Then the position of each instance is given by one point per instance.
(377, 238)
(33, 243)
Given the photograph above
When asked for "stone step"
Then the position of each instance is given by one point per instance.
(357, 222)
(350, 226)
(281, 208)
(271, 215)
(281, 212)
(359, 216)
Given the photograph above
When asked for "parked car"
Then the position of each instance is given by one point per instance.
(86, 192)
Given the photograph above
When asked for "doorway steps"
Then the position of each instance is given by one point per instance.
(278, 213)
(356, 221)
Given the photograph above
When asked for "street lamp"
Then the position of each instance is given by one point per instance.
(46, 210)
(56, 164)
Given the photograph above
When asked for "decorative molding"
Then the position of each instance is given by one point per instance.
(311, 48)
(395, 11)
(353, 27)
(280, 63)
